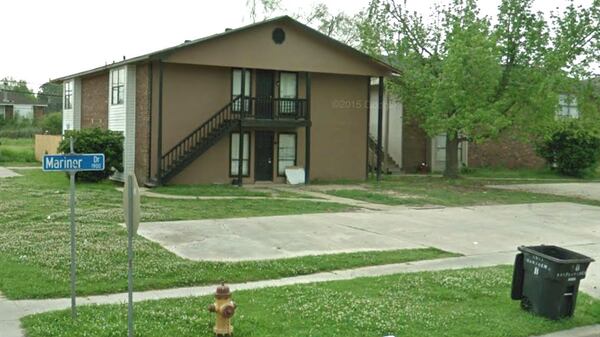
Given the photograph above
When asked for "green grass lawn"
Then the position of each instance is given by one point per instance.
(504, 173)
(34, 240)
(209, 190)
(428, 190)
(19, 150)
(470, 302)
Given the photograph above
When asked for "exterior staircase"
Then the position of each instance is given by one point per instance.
(199, 141)
(389, 164)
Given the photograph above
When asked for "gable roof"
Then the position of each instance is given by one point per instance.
(283, 19)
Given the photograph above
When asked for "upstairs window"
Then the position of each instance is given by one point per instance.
(68, 95)
(236, 88)
(117, 86)
(288, 92)
(567, 107)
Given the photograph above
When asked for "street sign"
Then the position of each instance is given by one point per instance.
(131, 203)
(74, 162)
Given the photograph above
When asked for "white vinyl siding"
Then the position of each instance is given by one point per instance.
(235, 154)
(72, 113)
(121, 117)
(23, 111)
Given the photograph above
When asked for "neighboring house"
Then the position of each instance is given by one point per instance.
(407, 147)
(16, 105)
(294, 94)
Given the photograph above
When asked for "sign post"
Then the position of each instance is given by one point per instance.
(73, 163)
(131, 206)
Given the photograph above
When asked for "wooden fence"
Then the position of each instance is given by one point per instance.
(46, 144)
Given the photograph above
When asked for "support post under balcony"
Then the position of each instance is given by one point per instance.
(307, 131)
(379, 128)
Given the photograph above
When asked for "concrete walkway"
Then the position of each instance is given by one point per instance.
(578, 190)
(7, 173)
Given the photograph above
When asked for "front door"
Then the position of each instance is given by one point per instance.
(263, 161)
(264, 94)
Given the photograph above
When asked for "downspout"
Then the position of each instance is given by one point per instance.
(379, 127)
(149, 95)
(160, 122)
(307, 131)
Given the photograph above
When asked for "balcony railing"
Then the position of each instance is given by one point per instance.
(271, 108)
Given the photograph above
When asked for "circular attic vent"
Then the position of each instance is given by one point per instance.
(278, 35)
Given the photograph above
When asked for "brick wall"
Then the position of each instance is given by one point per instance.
(94, 101)
(142, 127)
(507, 151)
(415, 147)
(38, 112)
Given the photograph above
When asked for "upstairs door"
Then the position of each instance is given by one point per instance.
(264, 93)
(263, 169)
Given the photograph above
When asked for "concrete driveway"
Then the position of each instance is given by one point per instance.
(6, 173)
(578, 190)
(466, 230)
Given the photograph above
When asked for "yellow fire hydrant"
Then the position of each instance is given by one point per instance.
(224, 308)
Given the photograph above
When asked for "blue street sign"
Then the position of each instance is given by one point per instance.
(73, 162)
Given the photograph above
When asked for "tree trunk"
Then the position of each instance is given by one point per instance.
(452, 164)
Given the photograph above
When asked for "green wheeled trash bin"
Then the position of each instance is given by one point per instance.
(546, 280)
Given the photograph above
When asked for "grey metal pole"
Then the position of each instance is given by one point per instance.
(73, 248)
(130, 332)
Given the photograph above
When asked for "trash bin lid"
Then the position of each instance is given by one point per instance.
(556, 254)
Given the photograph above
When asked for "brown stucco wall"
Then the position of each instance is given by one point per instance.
(507, 151)
(301, 51)
(339, 126)
(142, 123)
(94, 101)
(194, 93)
(415, 147)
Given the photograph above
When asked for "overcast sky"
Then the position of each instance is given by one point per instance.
(43, 39)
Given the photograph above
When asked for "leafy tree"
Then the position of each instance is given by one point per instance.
(51, 94)
(16, 87)
(463, 77)
(339, 26)
(267, 7)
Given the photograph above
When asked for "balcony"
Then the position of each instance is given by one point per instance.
(270, 112)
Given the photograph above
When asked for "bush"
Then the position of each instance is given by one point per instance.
(51, 123)
(571, 148)
(18, 128)
(96, 141)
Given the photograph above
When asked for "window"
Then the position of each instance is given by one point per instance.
(235, 153)
(288, 92)
(236, 87)
(286, 152)
(567, 107)
(117, 86)
(68, 95)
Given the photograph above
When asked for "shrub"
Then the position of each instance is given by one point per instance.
(96, 141)
(571, 148)
(51, 123)
(17, 128)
